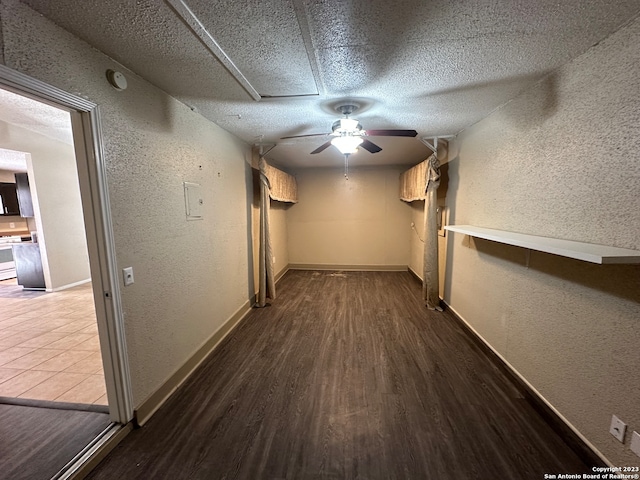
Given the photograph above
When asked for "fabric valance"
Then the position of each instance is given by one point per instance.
(414, 182)
(282, 186)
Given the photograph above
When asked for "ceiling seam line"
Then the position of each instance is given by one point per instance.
(305, 31)
(198, 29)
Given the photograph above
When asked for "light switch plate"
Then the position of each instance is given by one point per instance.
(127, 276)
(617, 428)
(635, 443)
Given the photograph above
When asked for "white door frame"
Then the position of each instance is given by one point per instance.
(85, 121)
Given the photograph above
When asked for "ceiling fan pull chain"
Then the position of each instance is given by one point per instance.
(346, 167)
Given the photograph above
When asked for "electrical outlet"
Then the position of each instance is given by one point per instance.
(274, 259)
(635, 443)
(617, 428)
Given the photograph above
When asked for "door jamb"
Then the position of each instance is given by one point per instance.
(87, 135)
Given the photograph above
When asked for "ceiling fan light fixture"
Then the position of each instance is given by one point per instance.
(348, 126)
(347, 144)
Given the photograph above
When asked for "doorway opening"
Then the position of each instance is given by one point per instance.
(62, 351)
(49, 347)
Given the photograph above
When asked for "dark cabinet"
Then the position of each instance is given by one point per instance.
(24, 195)
(9, 199)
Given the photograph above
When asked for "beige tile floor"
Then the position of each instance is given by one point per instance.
(49, 346)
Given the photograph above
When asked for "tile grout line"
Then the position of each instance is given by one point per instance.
(44, 322)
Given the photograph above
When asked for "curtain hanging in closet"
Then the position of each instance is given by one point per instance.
(421, 182)
(280, 186)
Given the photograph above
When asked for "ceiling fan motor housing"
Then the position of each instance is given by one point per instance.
(347, 109)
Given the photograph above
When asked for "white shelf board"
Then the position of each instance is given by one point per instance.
(589, 252)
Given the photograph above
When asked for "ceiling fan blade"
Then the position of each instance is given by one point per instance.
(302, 136)
(370, 146)
(391, 133)
(322, 147)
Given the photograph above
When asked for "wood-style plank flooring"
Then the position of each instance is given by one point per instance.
(346, 376)
(35, 443)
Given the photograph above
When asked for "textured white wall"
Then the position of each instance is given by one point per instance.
(360, 221)
(190, 276)
(561, 160)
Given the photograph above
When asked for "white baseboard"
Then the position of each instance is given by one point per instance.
(154, 401)
(414, 273)
(531, 388)
(348, 268)
(281, 273)
(69, 285)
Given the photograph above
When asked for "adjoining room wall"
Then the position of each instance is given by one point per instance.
(359, 222)
(279, 235)
(561, 160)
(53, 180)
(55, 191)
(190, 276)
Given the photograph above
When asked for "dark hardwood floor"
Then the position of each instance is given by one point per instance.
(346, 376)
(36, 442)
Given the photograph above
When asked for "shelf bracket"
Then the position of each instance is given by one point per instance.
(527, 257)
(434, 147)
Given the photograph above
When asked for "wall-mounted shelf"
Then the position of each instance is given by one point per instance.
(589, 252)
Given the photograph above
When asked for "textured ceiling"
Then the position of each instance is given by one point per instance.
(33, 116)
(434, 66)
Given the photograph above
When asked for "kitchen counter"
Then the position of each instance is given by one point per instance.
(14, 232)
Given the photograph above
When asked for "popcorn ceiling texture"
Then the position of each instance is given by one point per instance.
(267, 30)
(435, 66)
(190, 276)
(561, 160)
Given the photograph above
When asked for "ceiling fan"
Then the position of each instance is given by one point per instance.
(348, 134)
